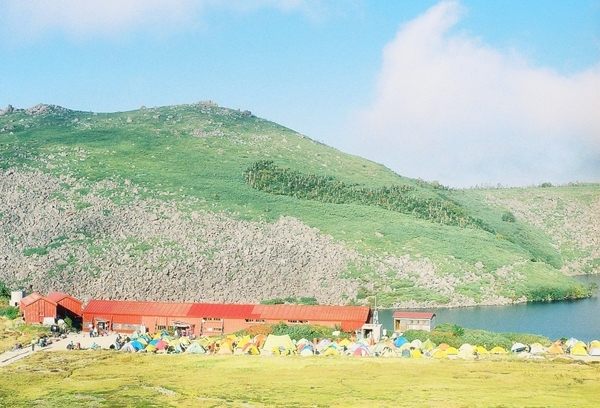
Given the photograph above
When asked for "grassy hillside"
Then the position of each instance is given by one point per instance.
(413, 243)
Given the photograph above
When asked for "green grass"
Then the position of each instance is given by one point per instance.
(85, 378)
(197, 156)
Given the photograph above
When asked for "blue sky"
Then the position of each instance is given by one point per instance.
(465, 92)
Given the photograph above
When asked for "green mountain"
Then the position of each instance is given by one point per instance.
(204, 203)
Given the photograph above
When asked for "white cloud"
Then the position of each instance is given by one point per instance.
(450, 108)
(111, 18)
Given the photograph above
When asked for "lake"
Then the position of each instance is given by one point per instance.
(568, 318)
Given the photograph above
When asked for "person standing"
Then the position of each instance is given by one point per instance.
(33, 345)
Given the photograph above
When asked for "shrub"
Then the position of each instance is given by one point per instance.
(10, 312)
(508, 216)
(35, 251)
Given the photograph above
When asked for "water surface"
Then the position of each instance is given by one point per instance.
(568, 318)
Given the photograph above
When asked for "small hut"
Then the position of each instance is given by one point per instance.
(404, 321)
(38, 309)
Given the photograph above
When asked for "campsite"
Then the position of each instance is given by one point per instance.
(161, 369)
(108, 378)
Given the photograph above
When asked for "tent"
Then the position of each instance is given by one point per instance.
(307, 351)
(195, 348)
(451, 351)
(578, 350)
(150, 348)
(280, 343)
(416, 353)
(405, 346)
(405, 352)
(137, 345)
(361, 351)
(323, 344)
(465, 354)
(400, 341)
(537, 348)
(302, 346)
(467, 348)
(480, 350)
(225, 350)
(439, 354)
(331, 351)
(161, 345)
(555, 349)
(443, 346)
(571, 342)
(595, 351)
(416, 343)
(594, 344)
(344, 343)
(518, 347)
(498, 350)
(260, 339)
(251, 349)
(128, 348)
(428, 345)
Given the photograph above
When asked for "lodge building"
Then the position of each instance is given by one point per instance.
(214, 319)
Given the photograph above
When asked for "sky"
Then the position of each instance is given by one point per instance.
(467, 93)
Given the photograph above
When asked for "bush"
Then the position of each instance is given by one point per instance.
(4, 291)
(508, 216)
(10, 312)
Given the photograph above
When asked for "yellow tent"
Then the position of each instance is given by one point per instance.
(480, 350)
(578, 350)
(345, 343)
(251, 349)
(439, 354)
(416, 353)
(595, 344)
(451, 351)
(498, 350)
(205, 342)
(150, 347)
(331, 351)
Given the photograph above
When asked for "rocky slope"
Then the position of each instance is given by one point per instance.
(152, 205)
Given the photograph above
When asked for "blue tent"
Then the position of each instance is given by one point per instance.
(400, 341)
(138, 346)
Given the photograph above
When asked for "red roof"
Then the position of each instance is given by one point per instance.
(232, 311)
(34, 297)
(318, 313)
(356, 315)
(58, 296)
(126, 307)
(414, 315)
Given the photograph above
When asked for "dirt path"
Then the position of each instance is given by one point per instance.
(84, 340)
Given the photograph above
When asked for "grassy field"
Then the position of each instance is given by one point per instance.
(197, 155)
(112, 379)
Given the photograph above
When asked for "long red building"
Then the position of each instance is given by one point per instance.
(213, 319)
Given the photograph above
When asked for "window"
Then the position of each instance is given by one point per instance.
(255, 321)
(297, 321)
